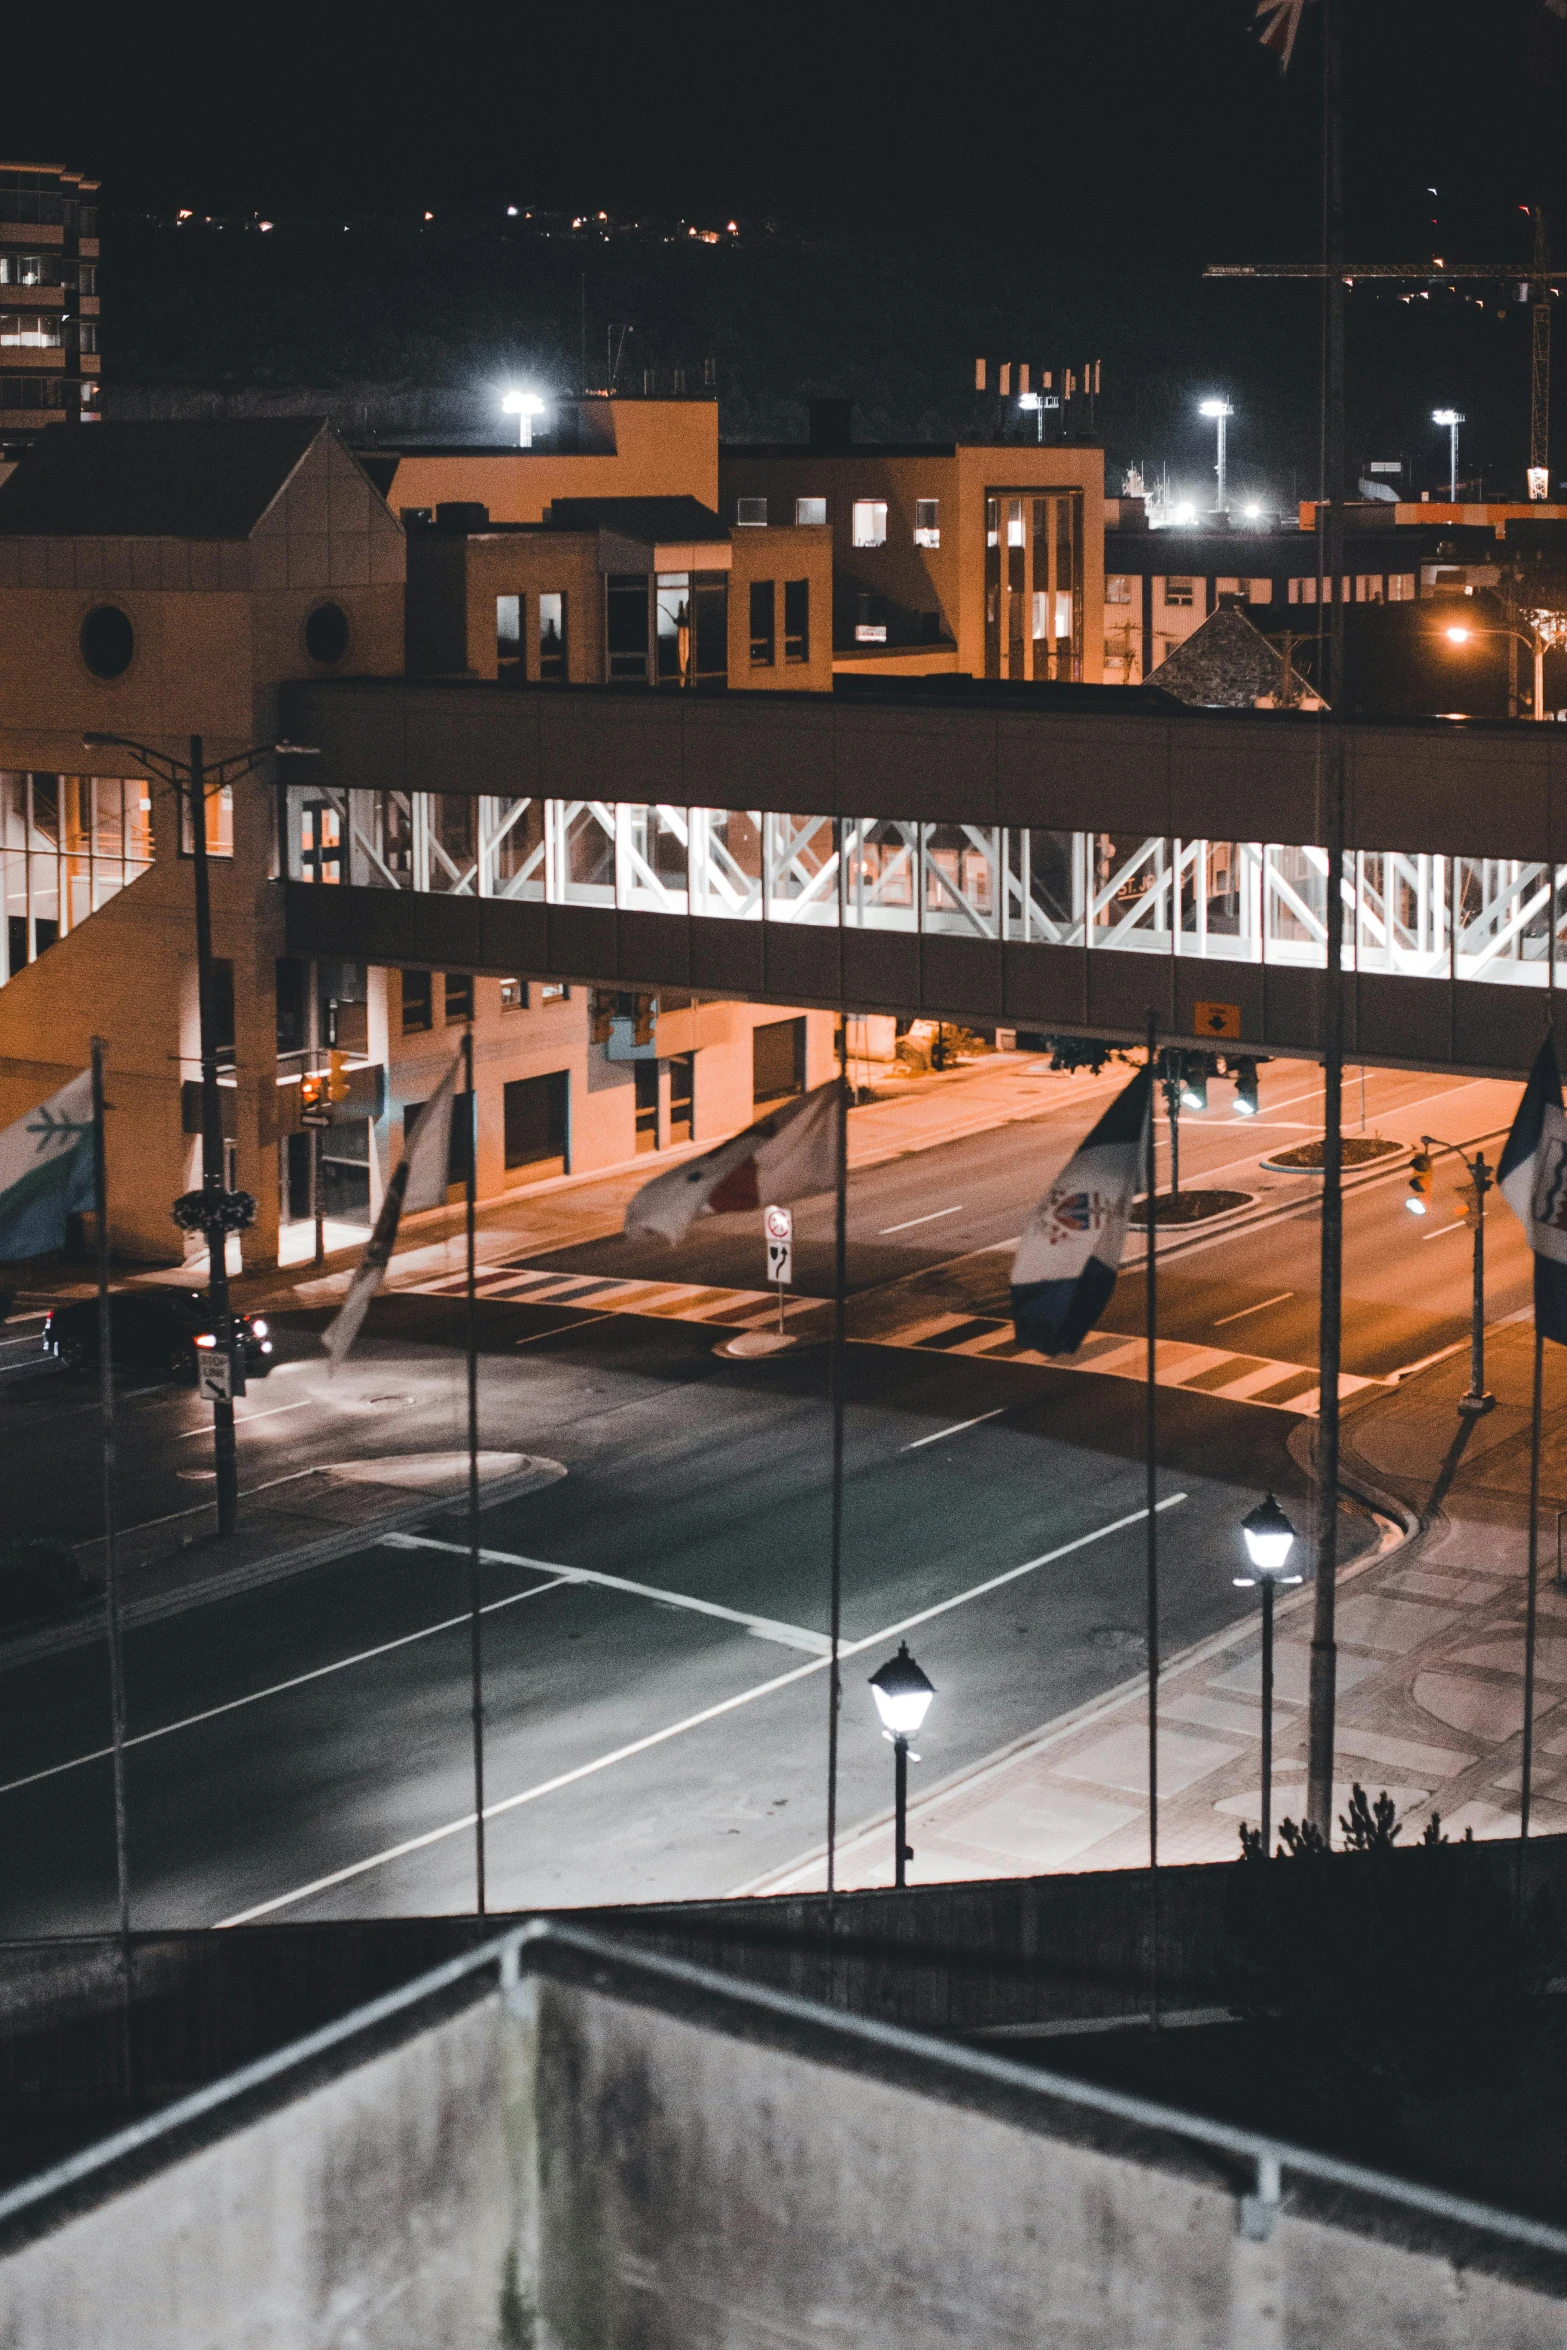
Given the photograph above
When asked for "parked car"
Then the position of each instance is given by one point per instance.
(151, 1330)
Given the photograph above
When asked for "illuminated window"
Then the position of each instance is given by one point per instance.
(870, 522)
(1118, 588)
(508, 638)
(552, 639)
(23, 269)
(514, 995)
(927, 522)
(29, 330)
(751, 513)
(810, 511)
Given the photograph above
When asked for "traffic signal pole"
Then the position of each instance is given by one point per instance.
(225, 1455)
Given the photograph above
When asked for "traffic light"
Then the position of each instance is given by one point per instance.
(644, 1015)
(1419, 1183)
(1194, 1081)
(310, 1092)
(1248, 1101)
(337, 1077)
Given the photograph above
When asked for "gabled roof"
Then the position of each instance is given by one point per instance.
(205, 480)
(685, 519)
(1226, 664)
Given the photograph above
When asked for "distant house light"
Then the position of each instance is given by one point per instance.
(265, 225)
(511, 211)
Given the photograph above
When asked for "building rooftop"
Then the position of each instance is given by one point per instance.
(203, 480)
(684, 519)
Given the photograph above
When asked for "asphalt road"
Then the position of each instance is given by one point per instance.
(304, 1750)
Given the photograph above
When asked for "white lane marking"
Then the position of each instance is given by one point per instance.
(363, 1656)
(243, 1420)
(934, 1217)
(955, 1430)
(763, 1627)
(1245, 1310)
(1443, 1230)
(696, 1721)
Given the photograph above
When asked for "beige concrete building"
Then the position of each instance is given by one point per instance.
(49, 299)
(983, 559)
(164, 581)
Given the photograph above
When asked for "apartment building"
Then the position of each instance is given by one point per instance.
(164, 580)
(978, 558)
(49, 300)
(596, 446)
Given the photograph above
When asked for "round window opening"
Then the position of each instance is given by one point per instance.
(108, 641)
(326, 634)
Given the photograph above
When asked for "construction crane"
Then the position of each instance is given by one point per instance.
(1535, 286)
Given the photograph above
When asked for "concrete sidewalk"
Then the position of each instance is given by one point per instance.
(1430, 1674)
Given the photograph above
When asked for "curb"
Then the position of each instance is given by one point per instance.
(253, 1575)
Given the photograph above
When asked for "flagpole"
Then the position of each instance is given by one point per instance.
(111, 1576)
(1324, 1653)
(835, 1569)
(1533, 1606)
(475, 1612)
(1151, 1312)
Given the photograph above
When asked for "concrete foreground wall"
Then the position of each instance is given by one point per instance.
(613, 2154)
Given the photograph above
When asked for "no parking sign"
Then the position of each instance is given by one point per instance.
(778, 1223)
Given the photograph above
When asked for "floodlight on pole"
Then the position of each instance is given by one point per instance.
(525, 406)
(1452, 418)
(1220, 412)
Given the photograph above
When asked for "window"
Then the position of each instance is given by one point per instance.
(751, 513)
(24, 269)
(1400, 587)
(810, 512)
(762, 624)
(459, 1149)
(870, 627)
(508, 639)
(1179, 592)
(326, 634)
(777, 1061)
(30, 330)
(107, 640)
(1118, 588)
(535, 1113)
(552, 639)
(870, 522)
(514, 995)
(797, 620)
(320, 841)
(87, 335)
(459, 997)
(646, 1076)
(682, 1089)
(1261, 590)
(220, 825)
(554, 991)
(87, 278)
(927, 522)
(625, 597)
(418, 1002)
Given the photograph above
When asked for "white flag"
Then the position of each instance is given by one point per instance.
(785, 1156)
(1280, 31)
(1064, 1273)
(418, 1181)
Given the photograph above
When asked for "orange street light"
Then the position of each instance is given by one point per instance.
(1549, 629)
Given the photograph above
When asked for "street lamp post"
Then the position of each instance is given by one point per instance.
(214, 1210)
(1482, 1179)
(1452, 418)
(1269, 1540)
(1545, 630)
(1220, 412)
(902, 1695)
(525, 406)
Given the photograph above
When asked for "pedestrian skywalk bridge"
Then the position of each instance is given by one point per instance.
(1206, 1370)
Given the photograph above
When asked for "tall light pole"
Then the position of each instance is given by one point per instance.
(1452, 418)
(1220, 412)
(1269, 1540)
(214, 1210)
(902, 1695)
(1546, 629)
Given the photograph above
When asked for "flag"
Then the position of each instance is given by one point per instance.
(46, 1171)
(1063, 1275)
(1281, 28)
(785, 1156)
(418, 1181)
(1532, 1178)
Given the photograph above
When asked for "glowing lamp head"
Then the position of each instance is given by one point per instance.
(1217, 408)
(1029, 400)
(525, 406)
(1269, 1538)
(1457, 636)
(1448, 416)
(1253, 513)
(902, 1693)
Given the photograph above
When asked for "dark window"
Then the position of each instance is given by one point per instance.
(326, 634)
(777, 1061)
(625, 599)
(552, 639)
(460, 1148)
(107, 640)
(646, 1075)
(292, 999)
(345, 1170)
(418, 1002)
(710, 602)
(535, 1111)
(508, 639)
(459, 997)
(682, 1090)
(797, 620)
(762, 623)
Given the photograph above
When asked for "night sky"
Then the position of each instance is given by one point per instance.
(1090, 157)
